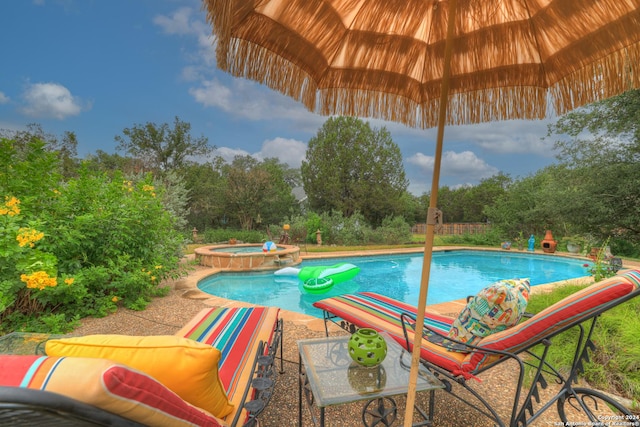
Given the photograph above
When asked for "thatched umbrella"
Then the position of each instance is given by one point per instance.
(429, 63)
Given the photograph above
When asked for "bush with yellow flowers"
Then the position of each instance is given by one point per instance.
(78, 247)
(33, 295)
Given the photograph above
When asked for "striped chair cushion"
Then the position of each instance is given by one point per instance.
(372, 310)
(104, 384)
(237, 333)
(367, 309)
(570, 310)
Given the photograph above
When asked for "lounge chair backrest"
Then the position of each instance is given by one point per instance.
(236, 332)
(569, 311)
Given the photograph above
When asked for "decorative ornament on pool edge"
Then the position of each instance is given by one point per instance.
(367, 347)
(269, 247)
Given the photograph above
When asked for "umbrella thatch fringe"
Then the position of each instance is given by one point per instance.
(367, 103)
(219, 15)
(610, 76)
(603, 78)
(245, 59)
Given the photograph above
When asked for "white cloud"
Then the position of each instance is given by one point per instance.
(241, 98)
(465, 165)
(289, 151)
(179, 22)
(508, 137)
(187, 22)
(51, 100)
(249, 100)
(191, 74)
(213, 94)
(228, 154)
(3, 98)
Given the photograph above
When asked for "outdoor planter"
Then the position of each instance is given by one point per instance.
(574, 248)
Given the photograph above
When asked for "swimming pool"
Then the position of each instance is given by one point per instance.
(454, 274)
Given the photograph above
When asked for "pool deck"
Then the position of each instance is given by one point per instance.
(189, 289)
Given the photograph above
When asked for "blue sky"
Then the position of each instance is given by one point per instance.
(96, 67)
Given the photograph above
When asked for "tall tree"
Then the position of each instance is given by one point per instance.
(161, 148)
(350, 167)
(255, 190)
(479, 196)
(603, 155)
(108, 162)
(66, 149)
(206, 196)
(451, 202)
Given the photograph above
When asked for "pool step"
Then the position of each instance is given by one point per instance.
(278, 260)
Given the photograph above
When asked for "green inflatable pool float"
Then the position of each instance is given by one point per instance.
(338, 273)
(321, 278)
(317, 285)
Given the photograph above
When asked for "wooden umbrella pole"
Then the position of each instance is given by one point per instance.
(431, 219)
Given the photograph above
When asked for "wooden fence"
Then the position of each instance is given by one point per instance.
(454, 228)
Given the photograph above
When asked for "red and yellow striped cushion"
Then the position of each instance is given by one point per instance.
(237, 333)
(570, 310)
(379, 312)
(106, 385)
(370, 310)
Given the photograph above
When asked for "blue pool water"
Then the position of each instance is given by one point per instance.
(454, 275)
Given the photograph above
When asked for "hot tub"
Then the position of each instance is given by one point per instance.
(246, 257)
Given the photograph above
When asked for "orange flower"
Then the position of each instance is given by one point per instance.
(11, 206)
(26, 236)
(38, 280)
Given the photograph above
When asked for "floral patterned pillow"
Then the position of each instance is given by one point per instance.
(495, 308)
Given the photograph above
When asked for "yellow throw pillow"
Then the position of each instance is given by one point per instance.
(185, 366)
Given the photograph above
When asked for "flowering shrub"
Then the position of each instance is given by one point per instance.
(81, 247)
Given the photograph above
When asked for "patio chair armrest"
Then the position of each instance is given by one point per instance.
(408, 320)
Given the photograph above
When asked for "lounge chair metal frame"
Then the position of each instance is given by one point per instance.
(526, 407)
(263, 380)
(30, 407)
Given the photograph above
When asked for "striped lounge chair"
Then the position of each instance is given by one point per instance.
(106, 380)
(248, 339)
(579, 310)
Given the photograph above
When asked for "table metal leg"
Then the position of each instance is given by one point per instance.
(305, 392)
(383, 411)
(299, 392)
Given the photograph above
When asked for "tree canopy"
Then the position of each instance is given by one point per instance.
(162, 148)
(256, 191)
(602, 190)
(350, 167)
